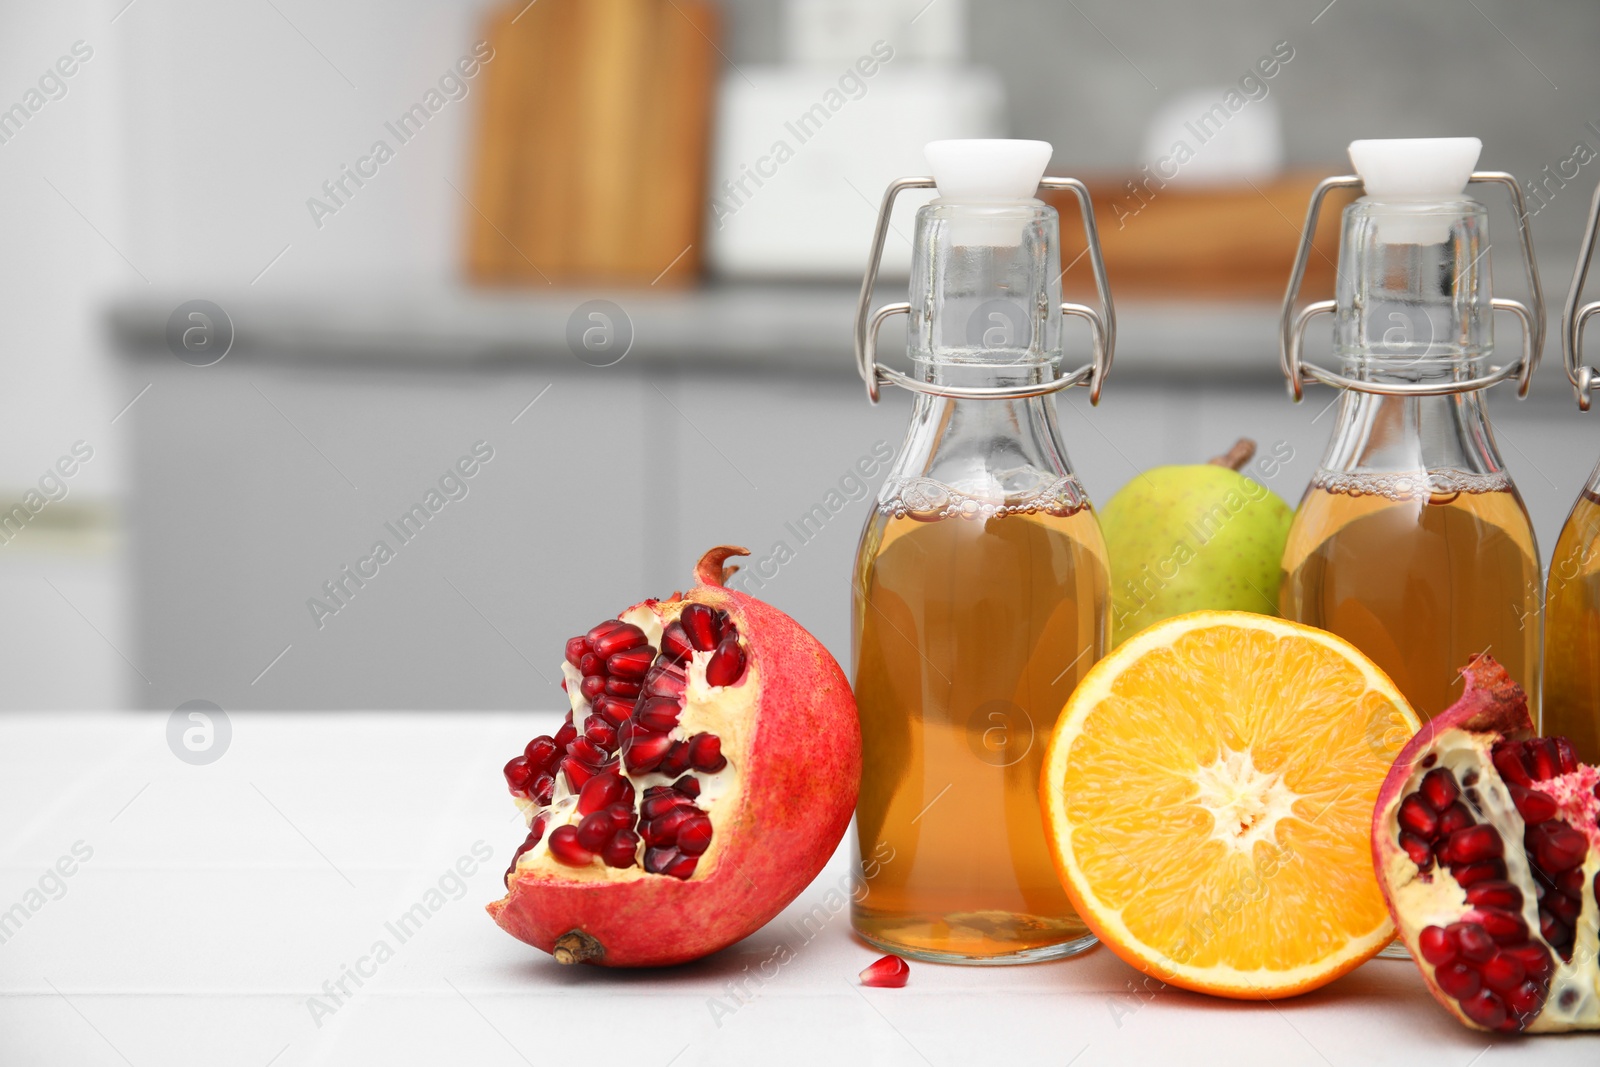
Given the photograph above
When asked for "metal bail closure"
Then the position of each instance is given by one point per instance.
(1574, 318)
(1292, 326)
(1102, 321)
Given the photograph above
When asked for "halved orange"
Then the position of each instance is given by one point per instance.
(1208, 797)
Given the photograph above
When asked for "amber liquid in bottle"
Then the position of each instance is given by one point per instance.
(1572, 631)
(974, 624)
(1419, 573)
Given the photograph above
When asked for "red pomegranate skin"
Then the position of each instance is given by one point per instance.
(799, 777)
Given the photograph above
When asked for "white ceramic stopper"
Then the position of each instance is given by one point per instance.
(1402, 170)
(990, 174)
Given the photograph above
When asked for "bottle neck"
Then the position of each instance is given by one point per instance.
(982, 457)
(985, 312)
(1413, 300)
(1383, 437)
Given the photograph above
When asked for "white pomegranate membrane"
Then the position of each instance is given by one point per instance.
(623, 784)
(1491, 864)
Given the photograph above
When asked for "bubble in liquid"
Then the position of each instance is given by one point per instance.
(1440, 486)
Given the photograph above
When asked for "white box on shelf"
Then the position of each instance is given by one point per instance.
(803, 155)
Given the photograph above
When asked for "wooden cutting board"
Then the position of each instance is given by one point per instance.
(1233, 241)
(593, 142)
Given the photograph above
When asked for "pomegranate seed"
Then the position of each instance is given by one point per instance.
(601, 734)
(622, 850)
(543, 789)
(1420, 851)
(1436, 945)
(682, 866)
(657, 859)
(1536, 962)
(1494, 894)
(620, 639)
(664, 831)
(694, 836)
(564, 847)
(676, 761)
(1556, 847)
(584, 751)
(702, 627)
(1540, 753)
(622, 687)
(658, 714)
(705, 752)
(591, 664)
(1505, 927)
(1416, 815)
(541, 752)
(1566, 754)
(1455, 817)
(1563, 907)
(890, 972)
(565, 735)
(656, 806)
(688, 785)
(535, 832)
(1457, 979)
(666, 680)
(622, 814)
(1471, 845)
(600, 791)
(595, 830)
(1503, 973)
(644, 753)
(631, 662)
(577, 774)
(1439, 788)
(576, 647)
(600, 629)
(518, 774)
(1553, 930)
(1472, 873)
(1525, 1000)
(1507, 757)
(1532, 805)
(1472, 941)
(592, 686)
(1485, 1008)
(614, 710)
(675, 643)
(726, 664)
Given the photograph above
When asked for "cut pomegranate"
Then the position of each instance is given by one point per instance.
(889, 972)
(664, 818)
(1486, 841)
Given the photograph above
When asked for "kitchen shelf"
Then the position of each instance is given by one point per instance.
(802, 329)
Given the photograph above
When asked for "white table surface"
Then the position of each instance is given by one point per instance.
(219, 898)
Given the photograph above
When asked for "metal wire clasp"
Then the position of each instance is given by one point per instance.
(1574, 318)
(1102, 321)
(1292, 326)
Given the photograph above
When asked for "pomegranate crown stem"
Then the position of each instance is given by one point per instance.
(712, 568)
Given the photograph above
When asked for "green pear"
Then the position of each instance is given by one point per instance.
(1194, 538)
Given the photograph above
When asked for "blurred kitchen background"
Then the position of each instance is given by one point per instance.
(602, 255)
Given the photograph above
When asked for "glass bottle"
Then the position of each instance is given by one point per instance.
(1572, 590)
(1412, 541)
(981, 589)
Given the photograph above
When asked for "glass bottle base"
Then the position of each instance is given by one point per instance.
(1394, 950)
(982, 957)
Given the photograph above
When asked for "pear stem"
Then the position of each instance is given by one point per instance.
(1236, 457)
